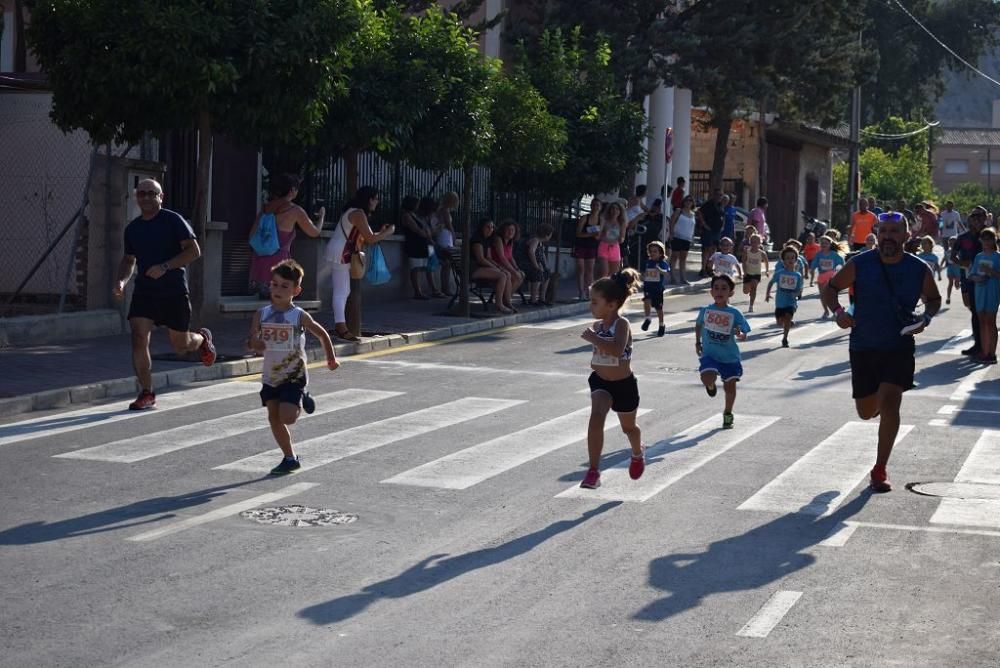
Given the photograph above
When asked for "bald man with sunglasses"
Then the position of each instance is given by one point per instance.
(887, 283)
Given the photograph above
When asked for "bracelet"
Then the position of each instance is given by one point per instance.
(840, 309)
(165, 267)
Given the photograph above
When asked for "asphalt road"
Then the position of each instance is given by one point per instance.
(458, 535)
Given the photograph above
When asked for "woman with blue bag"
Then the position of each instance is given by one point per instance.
(273, 232)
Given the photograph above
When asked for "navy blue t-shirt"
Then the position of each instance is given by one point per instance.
(154, 242)
(877, 318)
(967, 247)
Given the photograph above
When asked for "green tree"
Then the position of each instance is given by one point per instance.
(967, 196)
(908, 79)
(889, 177)
(254, 71)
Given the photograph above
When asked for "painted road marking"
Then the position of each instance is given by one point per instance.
(465, 468)
(669, 320)
(954, 345)
(839, 536)
(338, 445)
(154, 444)
(70, 421)
(910, 527)
(224, 511)
(463, 368)
(770, 614)
(982, 466)
(967, 388)
(682, 455)
(812, 332)
(819, 481)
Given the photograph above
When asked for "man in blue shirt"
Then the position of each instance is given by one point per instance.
(887, 285)
(729, 228)
(162, 244)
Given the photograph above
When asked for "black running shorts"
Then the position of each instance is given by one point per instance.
(173, 312)
(624, 393)
(871, 368)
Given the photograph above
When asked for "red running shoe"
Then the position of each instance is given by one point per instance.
(592, 480)
(880, 480)
(143, 402)
(207, 348)
(637, 465)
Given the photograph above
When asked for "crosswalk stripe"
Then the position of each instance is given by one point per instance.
(982, 466)
(150, 445)
(64, 423)
(954, 345)
(561, 323)
(967, 388)
(681, 455)
(465, 468)
(819, 481)
(770, 614)
(224, 511)
(812, 332)
(338, 445)
(463, 368)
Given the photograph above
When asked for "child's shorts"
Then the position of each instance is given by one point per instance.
(609, 252)
(781, 311)
(824, 277)
(286, 393)
(727, 370)
(654, 296)
(751, 278)
(954, 271)
(624, 393)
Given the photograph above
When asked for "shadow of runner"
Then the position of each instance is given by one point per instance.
(435, 570)
(751, 560)
(111, 520)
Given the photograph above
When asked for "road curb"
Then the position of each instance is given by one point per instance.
(83, 394)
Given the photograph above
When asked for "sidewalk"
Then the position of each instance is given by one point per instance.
(58, 375)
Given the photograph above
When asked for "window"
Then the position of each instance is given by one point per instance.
(956, 166)
(992, 167)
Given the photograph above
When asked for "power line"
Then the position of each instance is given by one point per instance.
(904, 135)
(946, 47)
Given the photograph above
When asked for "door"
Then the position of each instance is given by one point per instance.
(812, 196)
(782, 191)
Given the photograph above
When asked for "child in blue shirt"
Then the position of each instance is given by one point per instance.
(716, 331)
(789, 281)
(954, 269)
(652, 283)
(927, 255)
(985, 273)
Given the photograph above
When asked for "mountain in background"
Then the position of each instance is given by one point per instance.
(968, 98)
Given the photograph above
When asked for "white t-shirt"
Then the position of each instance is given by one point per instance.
(724, 263)
(633, 212)
(684, 227)
(951, 223)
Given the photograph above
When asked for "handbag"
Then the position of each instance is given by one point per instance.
(265, 239)
(353, 255)
(378, 270)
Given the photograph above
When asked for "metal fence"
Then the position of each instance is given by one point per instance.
(699, 186)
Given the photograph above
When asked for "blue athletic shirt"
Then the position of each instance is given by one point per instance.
(153, 242)
(652, 279)
(877, 319)
(718, 329)
(932, 260)
(825, 262)
(789, 286)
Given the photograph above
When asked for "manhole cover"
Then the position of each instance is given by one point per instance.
(956, 490)
(298, 516)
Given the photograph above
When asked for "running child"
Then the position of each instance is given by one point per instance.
(612, 384)
(987, 279)
(278, 332)
(754, 258)
(789, 281)
(653, 276)
(809, 251)
(723, 261)
(825, 264)
(927, 255)
(716, 331)
(953, 273)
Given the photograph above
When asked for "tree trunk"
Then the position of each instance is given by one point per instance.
(723, 125)
(196, 275)
(352, 311)
(466, 227)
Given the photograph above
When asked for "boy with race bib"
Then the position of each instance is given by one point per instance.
(652, 283)
(716, 331)
(613, 386)
(789, 281)
(278, 332)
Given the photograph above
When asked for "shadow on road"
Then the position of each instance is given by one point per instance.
(162, 507)
(749, 561)
(435, 570)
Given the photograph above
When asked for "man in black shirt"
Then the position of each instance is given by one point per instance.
(162, 244)
(966, 247)
(712, 219)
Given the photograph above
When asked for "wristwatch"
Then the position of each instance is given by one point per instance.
(165, 267)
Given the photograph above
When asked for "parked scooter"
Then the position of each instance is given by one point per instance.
(817, 226)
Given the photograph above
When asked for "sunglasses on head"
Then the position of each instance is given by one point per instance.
(891, 217)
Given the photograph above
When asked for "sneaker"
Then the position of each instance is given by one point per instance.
(880, 480)
(947, 301)
(971, 351)
(637, 465)
(645, 324)
(207, 348)
(308, 403)
(286, 466)
(824, 316)
(143, 402)
(727, 420)
(592, 480)
(712, 390)
(784, 342)
(750, 310)
(988, 359)
(662, 330)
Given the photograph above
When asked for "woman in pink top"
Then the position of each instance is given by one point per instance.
(284, 188)
(758, 217)
(502, 254)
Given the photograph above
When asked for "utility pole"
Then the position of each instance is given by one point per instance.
(853, 179)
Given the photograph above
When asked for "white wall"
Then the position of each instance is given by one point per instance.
(816, 161)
